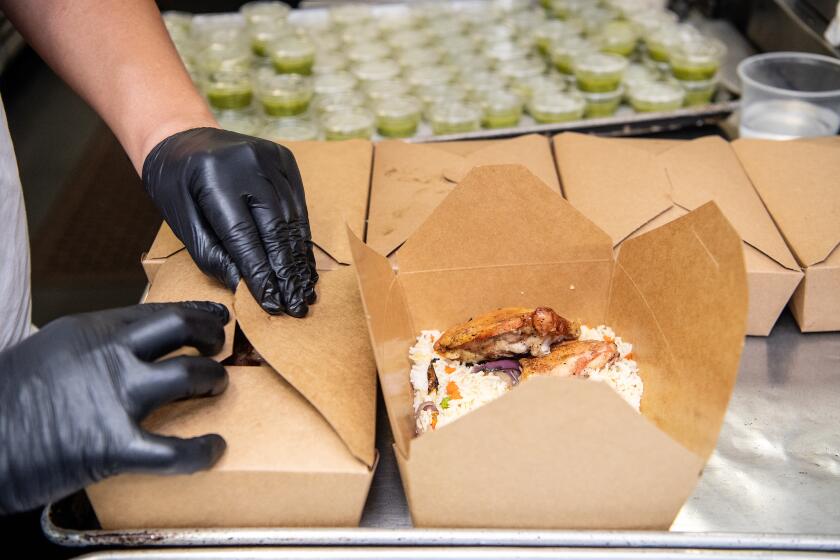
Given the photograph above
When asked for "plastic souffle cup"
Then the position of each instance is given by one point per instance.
(789, 95)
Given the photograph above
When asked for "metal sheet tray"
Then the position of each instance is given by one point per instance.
(773, 482)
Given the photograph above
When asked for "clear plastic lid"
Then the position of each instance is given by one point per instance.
(348, 15)
(292, 47)
(446, 27)
(527, 87)
(554, 30)
(284, 86)
(500, 102)
(649, 20)
(430, 76)
(408, 39)
(416, 58)
(436, 93)
(617, 37)
(328, 63)
(455, 113)
(361, 34)
(667, 36)
(600, 64)
(224, 57)
(479, 83)
(238, 121)
(492, 35)
(398, 107)
(326, 42)
(557, 103)
(376, 70)
(383, 89)
(522, 68)
(339, 102)
(698, 50)
(566, 9)
(602, 96)
(177, 22)
(637, 74)
(507, 7)
(350, 123)
(504, 52)
(657, 93)
(289, 129)
(263, 11)
(366, 52)
(568, 48)
(337, 82)
(390, 22)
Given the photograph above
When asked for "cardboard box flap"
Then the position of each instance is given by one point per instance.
(547, 427)
(179, 279)
(532, 150)
(407, 185)
(679, 294)
(253, 415)
(165, 244)
(695, 181)
(325, 356)
(390, 328)
(482, 224)
(617, 184)
(410, 180)
(798, 182)
(336, 194)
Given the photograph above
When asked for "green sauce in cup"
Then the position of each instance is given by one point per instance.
(599, 72)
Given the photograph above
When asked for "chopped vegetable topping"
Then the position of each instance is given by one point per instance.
(449, 369)
(453, 391)
(444, 404)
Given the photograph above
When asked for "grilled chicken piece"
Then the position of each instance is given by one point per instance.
(571, 358)
(506, 332)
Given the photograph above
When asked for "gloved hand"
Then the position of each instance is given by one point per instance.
(73, 394)
(237, 203)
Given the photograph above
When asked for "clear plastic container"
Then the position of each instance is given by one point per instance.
(500, 109)
(656, 96)
(376, 70)
(492, 35)
(177, 22)
(522, 68)
(696, 59)
(284, 95)
(289, 130)
(361, 34)
(229, 90)
(339, 82)
(789, 95)
(264, 34)
(292, 55)
(339, 102)
(384, 89)
(649, 20)
(398, 117)
(698, 92)
(457, 46)
(567, 9)
(350, 15)
(348, 124)
(526, 21)
(419, 78)
(554, 31)
(366, 52)
(326, 42)
(479, 84)
(408, 39)
(661, 41)
(565, 51)
(595, 18)
(224, 57)
(262, 11)
(454, 117)
(554, 107)
(599, 72)
(547, 82)
(505, 52)
(416, 58)
(446, 27)
(616, 37)
(328, 63)
(435, 94)
(470, 62)
(242, 122)
(392, 22)
(638, 74)
(602, 104)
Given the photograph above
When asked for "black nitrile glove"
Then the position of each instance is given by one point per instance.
(73, 394)
(238, 205)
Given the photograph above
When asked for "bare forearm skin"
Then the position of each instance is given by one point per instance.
(118, 56)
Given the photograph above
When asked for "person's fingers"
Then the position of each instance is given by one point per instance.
(209, 254)
(280, 238)
(176, 325)
(235, 227)
(155, 454)
(175, 379)
(119, 316)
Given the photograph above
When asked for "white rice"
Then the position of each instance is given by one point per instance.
(477, 389)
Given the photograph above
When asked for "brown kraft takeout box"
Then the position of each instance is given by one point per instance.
(336, 177)
(799, 181)
(630, 186)
(555, 452)
(410, 180)
(298, 415)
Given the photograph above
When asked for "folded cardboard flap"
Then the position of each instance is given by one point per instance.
(275, 472)
(324, 356)
(179, 279)
(798, 182)
(679, 295)
(410, 180)
(553, 453)
(165, 244)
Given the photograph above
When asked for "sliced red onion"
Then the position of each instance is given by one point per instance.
(425, 405)
(495, 365)
(509, 376)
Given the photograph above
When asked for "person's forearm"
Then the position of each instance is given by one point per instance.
(118, 56)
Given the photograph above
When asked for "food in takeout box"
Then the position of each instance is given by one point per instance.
(473, 363)
(502, 239)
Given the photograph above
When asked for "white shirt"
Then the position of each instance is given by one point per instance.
(15, 300)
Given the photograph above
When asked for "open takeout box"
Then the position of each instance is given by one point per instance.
(336, 177)
(560, 453)
(799, 182)
(630, 186)
(410, 180)
(300, 426)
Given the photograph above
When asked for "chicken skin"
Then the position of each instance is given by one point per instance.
(571, 359)
(506, 332)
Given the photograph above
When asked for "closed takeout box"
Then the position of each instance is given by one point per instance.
(560, 452)
(630, 186)
(799, 182)
(410, 180)
(300, 426)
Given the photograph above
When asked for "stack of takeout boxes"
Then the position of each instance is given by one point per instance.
(660, 240)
